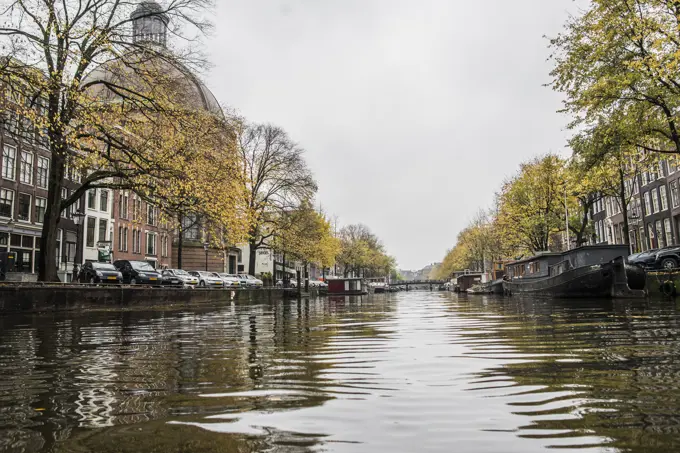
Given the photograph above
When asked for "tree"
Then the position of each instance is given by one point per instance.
(306, 234)
(619, 60)
(104, 102)
(276, 181)
(362, 253)
(531, 205)
(612, 164)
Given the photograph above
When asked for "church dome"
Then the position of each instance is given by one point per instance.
(149, 23)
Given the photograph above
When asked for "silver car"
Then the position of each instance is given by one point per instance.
(185, 278)
(230, 280)
(208, 279)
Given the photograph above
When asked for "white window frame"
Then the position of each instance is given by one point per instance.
(663, 195)
(37, 199)
(30, 206)
(5, 155)
(655, 200)
(47, 172)
(12, 204)
(26, 165)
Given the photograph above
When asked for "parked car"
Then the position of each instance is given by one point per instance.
(291, 284)
(138, 272)
(179, 277)
(252, 282)
(231, 280)
(665, 258)
(99, 273)
(208, 279)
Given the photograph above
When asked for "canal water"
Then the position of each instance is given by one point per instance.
(407, 372)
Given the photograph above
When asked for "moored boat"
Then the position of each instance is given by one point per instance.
(597, 271)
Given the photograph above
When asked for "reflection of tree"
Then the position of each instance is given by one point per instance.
(114, 369)
(591, 369)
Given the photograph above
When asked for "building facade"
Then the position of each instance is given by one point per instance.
(653, 210)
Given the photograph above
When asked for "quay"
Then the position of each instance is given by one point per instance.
(36, 297)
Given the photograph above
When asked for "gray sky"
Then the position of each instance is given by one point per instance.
(412, 112)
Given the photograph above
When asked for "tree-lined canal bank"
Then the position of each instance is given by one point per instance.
(414, 371)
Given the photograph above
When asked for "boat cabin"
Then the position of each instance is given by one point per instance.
(466, 281)
(347, 286)
(551, 264)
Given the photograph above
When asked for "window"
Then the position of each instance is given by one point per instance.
(9, 155)
(91, 225)
(636, 186)
(645, 178)
(91, 199)
(150, 243)
(664, 198)
(669, 231)
(675, 195)
(43, 172)
(151, 214)
(672, 164)
(6, 202)
(123, 205)
(164, 246)
(64, 196)
(136, 207)
(136, 241)
(653, 173)
(103, 226)
(662, 168)
(26, 168)
(655, 200)
(659, 235)
(104, 200)
(40, 206)
(190, 227)
(648, 209)
(120, 239)
(24, 212)
(650, 236)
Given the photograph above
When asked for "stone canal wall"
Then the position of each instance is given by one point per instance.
(38, 298)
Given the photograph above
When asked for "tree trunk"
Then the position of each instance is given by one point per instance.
(624, 207)
(252, 255)
(306, 277)
(47, 261)
(180, 244)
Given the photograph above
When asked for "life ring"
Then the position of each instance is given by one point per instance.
(668, 288)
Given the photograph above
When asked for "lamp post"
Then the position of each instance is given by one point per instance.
(206, 245)
(10, 229)
(635, 221)
(78, 218)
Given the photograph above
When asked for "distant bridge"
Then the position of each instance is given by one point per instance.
(417, 282)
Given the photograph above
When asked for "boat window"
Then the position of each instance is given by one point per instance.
(534, 267)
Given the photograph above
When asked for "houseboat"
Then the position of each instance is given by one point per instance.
(347, 287)
(493, 287)
(588, 271)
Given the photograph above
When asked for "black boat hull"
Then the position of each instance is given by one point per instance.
(599, 281)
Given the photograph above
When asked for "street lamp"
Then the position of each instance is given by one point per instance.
(10, 229)
(78, 218)
(635, 221)
(206, 245)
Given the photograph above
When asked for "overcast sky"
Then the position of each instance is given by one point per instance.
(412, 112)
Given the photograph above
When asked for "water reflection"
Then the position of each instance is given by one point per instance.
(409, 372)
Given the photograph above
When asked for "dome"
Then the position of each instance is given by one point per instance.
(150, 26)
(187, 88)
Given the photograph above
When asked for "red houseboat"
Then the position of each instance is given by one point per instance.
(347, 287)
